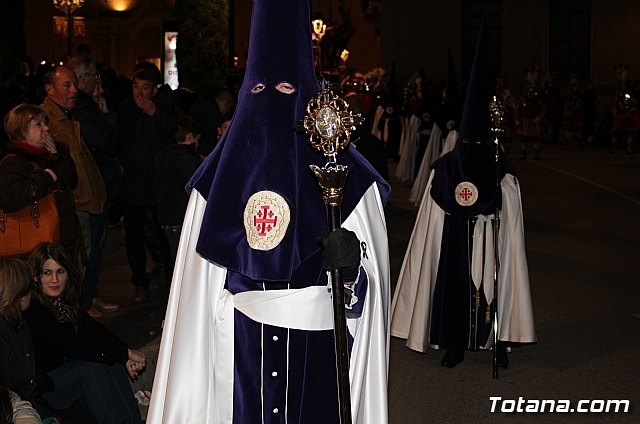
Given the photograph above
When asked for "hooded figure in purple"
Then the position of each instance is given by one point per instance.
(248, 334)
(446, 283)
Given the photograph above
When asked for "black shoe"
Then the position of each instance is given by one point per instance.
(501, 356)
(452, 358)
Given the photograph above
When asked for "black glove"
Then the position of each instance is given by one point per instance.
(341, 250)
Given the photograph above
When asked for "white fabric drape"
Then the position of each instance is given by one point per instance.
(430, 154)
(412, 300)
(409, 139)
(194, 375)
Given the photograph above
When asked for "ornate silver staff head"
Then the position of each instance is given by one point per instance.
(329, 124)
(496, 114)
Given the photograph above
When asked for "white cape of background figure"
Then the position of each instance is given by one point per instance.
(446, 283)
(412, 300)
(434, 151)
(431, 153)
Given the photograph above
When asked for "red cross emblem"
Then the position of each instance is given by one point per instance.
(264, 220)
(466, 193)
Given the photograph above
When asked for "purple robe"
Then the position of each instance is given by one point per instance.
(262, 152)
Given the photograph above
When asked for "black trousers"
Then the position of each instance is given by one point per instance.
(106, 390)
(142, 231)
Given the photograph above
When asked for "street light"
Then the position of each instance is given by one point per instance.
(319, 29)
(120, 5)
(68, 7)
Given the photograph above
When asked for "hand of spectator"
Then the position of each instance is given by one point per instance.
(48, 144)
(132, 369)
(146, 105)
(136, 363)
(137, 356)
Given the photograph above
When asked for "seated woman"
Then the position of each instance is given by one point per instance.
(80, 355)
(33, 166)
(17, 367)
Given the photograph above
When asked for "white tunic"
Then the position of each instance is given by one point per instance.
(194, 375)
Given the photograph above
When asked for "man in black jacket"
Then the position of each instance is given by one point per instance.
(101, 139)
(146, 124)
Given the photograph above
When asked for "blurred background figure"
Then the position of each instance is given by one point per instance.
(625, 112)
(529, 115)
(573, 114)
(446, 284)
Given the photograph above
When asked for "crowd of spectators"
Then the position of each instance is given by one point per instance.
(99, 144)
(118, 151)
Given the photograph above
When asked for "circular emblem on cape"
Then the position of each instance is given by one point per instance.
(266, 218)
(466, 193)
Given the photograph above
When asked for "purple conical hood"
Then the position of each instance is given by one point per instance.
(474, 125)
(473, 159)
(261, 151)
(280, 45)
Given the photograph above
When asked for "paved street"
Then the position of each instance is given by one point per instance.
(581, 209)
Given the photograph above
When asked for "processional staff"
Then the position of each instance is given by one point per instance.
(329, 124)
(496, 112)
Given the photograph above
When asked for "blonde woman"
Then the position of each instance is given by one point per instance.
(32, 166)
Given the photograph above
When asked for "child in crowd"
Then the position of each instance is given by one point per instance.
(223, 127)
(173, 167)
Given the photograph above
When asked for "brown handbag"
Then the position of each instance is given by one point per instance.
(21, 231)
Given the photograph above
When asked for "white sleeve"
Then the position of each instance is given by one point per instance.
(23, 412)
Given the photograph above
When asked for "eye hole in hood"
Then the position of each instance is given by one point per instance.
(257, 88)
(285, 87)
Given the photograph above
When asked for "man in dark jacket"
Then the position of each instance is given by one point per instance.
(101, 138)
(146, 124)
